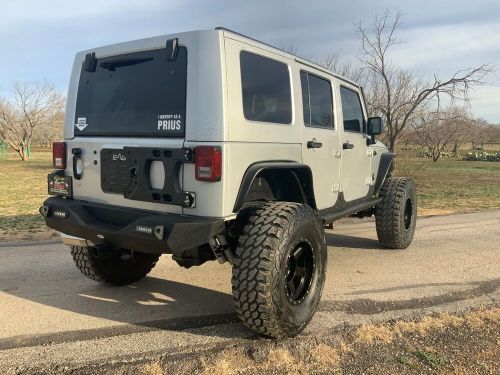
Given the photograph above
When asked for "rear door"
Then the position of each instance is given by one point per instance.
(355, 176)
(129, 127)
(320, 136)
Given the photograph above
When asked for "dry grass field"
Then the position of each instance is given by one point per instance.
(23, 187)
(451, 185)
(447, 186)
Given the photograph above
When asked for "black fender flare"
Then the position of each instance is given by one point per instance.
(301, 172)
(386, 160)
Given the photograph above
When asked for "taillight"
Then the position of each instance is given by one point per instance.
(59, 155)
(208, 163)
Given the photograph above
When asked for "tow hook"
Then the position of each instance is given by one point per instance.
(159, 232)
(221, 249)
(44, 211)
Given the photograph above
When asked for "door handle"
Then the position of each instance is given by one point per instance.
(347, 146)
(314, 144)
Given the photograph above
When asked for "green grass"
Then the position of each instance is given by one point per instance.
(446, 186)
(431, 360)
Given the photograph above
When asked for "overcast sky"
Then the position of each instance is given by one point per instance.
(38, 38)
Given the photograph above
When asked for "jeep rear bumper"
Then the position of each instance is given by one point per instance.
(145, 231)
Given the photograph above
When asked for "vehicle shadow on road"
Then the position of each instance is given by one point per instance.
(342, 240)
(151, 303)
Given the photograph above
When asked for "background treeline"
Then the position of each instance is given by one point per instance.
(432, 113)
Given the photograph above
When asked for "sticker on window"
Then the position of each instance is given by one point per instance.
(81, 123)
(169, 122)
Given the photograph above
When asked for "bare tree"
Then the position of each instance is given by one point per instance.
(30, 107)
(333, 63)
(492, 134)
(436, 130)
(347, 69)
(397, 94)
(48, 133)
(478, 133)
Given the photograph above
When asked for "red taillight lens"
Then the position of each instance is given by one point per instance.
(59, 155)
(208, 163)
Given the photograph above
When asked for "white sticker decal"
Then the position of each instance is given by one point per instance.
(169, 122)
(81, 123)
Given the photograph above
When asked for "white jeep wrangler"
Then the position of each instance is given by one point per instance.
(210, 145)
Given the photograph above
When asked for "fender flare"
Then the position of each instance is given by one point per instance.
(386, 160)
(301, 172)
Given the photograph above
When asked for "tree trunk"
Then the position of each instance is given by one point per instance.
(435, 155)
(22, 152)
(392, 144)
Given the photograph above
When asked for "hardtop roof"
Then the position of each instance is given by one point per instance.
(286, 54)
(112, 48)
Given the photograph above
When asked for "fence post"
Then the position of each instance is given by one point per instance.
(28, 150)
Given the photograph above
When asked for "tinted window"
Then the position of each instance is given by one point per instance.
(351, 110)
(305, 98)
(317, 100)
(134, 94)
(266, 89)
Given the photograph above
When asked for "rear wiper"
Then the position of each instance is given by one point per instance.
(118, 63)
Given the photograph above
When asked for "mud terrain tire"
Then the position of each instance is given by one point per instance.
(396, 214)
(114, 267)
(279, 268)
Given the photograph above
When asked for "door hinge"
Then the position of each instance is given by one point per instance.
(369, 181)
(337, 153)
(336, 188)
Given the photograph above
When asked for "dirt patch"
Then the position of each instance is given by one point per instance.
(444, 344)
(466, 343)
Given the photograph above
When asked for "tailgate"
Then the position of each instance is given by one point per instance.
(146, 174)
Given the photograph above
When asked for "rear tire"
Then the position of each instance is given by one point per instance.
(114, 267)
(279, 269)
(396, 214)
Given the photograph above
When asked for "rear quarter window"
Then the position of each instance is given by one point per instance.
(266, 89)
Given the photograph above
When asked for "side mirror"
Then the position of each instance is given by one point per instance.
(374, 126)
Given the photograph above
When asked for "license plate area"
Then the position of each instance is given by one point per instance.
(60, 185)
(127, 172)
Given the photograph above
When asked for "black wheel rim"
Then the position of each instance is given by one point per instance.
(408, 213)
(299, 271)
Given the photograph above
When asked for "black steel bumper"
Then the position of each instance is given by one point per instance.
(138, 230)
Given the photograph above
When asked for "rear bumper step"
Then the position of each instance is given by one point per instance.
(138, 230)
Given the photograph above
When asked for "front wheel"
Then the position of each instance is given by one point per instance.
(279, 269)
(396, 214)
(113, 266)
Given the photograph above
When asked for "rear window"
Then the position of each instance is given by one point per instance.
(134, 94)
(266, 89)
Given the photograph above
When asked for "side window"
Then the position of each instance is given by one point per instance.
(305, 98)
(354, 119)
(265, 89)
(317, 100)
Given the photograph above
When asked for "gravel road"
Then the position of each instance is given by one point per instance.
(53, 317)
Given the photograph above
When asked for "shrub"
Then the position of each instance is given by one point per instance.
(427, 154)
(482, 156)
